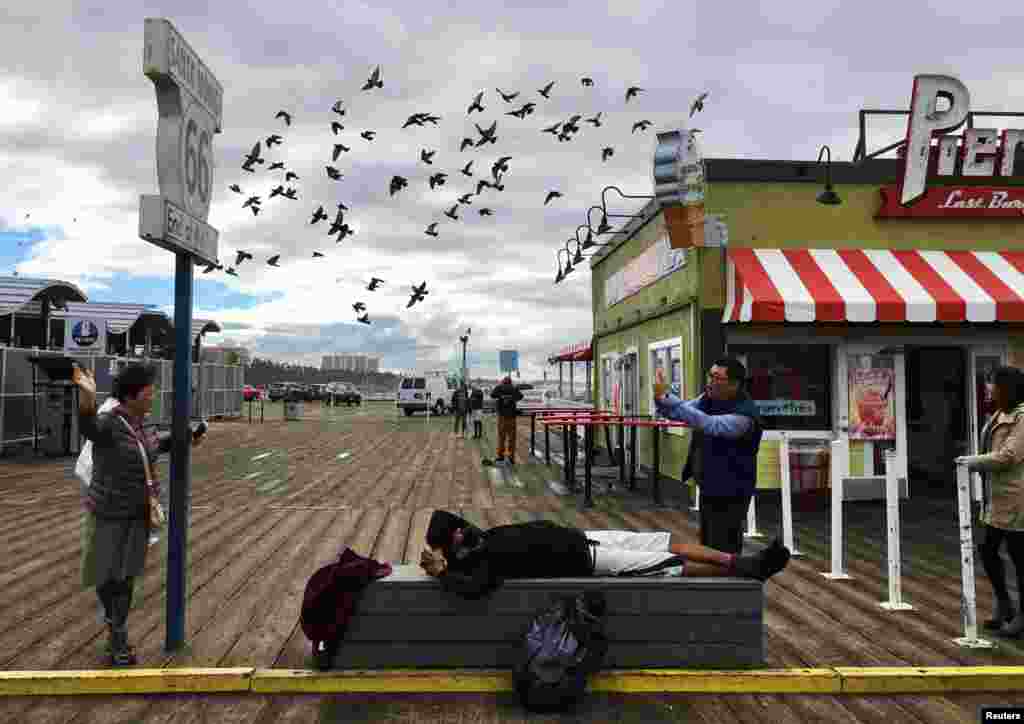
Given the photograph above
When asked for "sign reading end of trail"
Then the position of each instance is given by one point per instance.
(190, 103)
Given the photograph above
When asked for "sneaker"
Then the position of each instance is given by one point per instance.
(764, 564)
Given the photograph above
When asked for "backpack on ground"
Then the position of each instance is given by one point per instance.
(564, 643)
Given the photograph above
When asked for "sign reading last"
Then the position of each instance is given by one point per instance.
(190, 102)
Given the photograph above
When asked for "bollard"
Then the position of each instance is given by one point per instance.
(840, 459)
(752, 531)
(787, 495)
(892, 525)
(968, 594)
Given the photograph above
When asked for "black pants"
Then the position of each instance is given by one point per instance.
(995, 569)
(116, 597)
(721, 522)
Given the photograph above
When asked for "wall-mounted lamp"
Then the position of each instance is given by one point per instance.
(828, 197)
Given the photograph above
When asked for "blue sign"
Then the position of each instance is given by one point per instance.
(85, 333)
(508, 360)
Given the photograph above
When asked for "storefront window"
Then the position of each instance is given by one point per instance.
(791, 384)
(667, 355)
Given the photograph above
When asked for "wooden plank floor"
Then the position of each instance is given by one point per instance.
(262, 523)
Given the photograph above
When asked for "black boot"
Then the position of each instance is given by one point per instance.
(324, 653)
(121, 652)
(1003, 615)
(764, 564)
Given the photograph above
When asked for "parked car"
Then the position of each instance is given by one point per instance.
(319, 391)
(343, 393)
(417, 393)
(277, 391)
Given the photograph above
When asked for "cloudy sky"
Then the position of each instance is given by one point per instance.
(78, 130)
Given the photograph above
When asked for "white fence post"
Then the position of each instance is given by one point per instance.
(968, 594)
(696, 498)
(839, 460)
(787, 495)
(752, 531)
(892, 524)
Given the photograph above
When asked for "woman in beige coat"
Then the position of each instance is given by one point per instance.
(1001, 465)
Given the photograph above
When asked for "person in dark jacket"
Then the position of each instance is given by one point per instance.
(476, 411)
(117, 521)
(724, 442)
(460, 408)
(472, 562)
(506, 396)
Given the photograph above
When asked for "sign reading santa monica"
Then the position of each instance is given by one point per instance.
(190, 102)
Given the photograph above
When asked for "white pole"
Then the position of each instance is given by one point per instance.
(839, 460)
(892, 524)
(696, 498)
(787, 495)
(968, 595)
(752, 531)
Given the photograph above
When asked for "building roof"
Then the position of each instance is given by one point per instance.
(119, 316)
(25, 295)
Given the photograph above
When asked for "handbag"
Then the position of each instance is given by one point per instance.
(157, 517)
(83, 468)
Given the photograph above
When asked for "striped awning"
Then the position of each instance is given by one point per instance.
(119, 317)
(24, 295)
(872, 285)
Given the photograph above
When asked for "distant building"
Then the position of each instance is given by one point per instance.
(349, 363)
(226, 355)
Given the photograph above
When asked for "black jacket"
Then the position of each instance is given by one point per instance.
(507, 396)
(538, 549)
(476, 399)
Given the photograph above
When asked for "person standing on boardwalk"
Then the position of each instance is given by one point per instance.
(725, 437)
(118, 502)
(476, 411)
(460, 407)
(506, 396)
(1001, 464)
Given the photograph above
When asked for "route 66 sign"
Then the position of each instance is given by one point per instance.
(190, 103)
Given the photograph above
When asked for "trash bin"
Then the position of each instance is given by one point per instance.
(292, 409)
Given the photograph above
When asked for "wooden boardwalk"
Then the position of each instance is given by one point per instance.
(261, 524)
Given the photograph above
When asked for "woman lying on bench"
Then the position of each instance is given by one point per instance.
(472, 562)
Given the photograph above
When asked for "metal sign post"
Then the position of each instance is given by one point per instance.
(840, 459)
(190, 103)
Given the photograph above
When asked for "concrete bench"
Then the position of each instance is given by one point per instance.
(406, 620)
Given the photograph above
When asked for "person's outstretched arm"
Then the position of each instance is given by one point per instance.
(729, 426)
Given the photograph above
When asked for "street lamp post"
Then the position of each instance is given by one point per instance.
(465, 340)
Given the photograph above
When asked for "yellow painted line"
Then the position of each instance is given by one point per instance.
(284, 681)
(125, 681)
(829, 681)
(930, 679)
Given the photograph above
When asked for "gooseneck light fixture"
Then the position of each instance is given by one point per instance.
(828, 197)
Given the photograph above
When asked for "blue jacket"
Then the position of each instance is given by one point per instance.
(725, 438)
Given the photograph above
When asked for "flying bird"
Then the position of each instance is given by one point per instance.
(277, 191)
(487, 134)
(500, 166)
(274, 140)
(335, 127)
(342, 207)
(318, 215)
(338, 149)
(632, 91)
(552, 195)
(466, 169)
(368, 135)
(338, 226)
(507, 97)
(252, 157)
(427, 157)
(241, 256)
(343, 231)
(596, 120)
(359, 306)
(546, 90)
(553, 130)
(698, 103)
(365, 319)
(466, 142)
(251, 201)
(416, 119)
(398, 183)
(466, 199)
(374, 81)
(642, 125)
(477, 104)
(291, 193)
(338, 109)
(272, 261)
(210, 267)
(236, 188)
(286, 116)
(374, 283)
(587, 82)
(275, 166)
(290, 176)
(451, 213)
(231, 270)
(334, 173)
(418, 292)
(481, 185)
(437, 179)
(431, 119)
(431, 230)
(607, 152)
(485, 211)
(317, 254)
(255, 210)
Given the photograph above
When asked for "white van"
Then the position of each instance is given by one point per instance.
(417, 392)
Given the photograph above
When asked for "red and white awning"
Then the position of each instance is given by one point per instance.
(873, 285)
